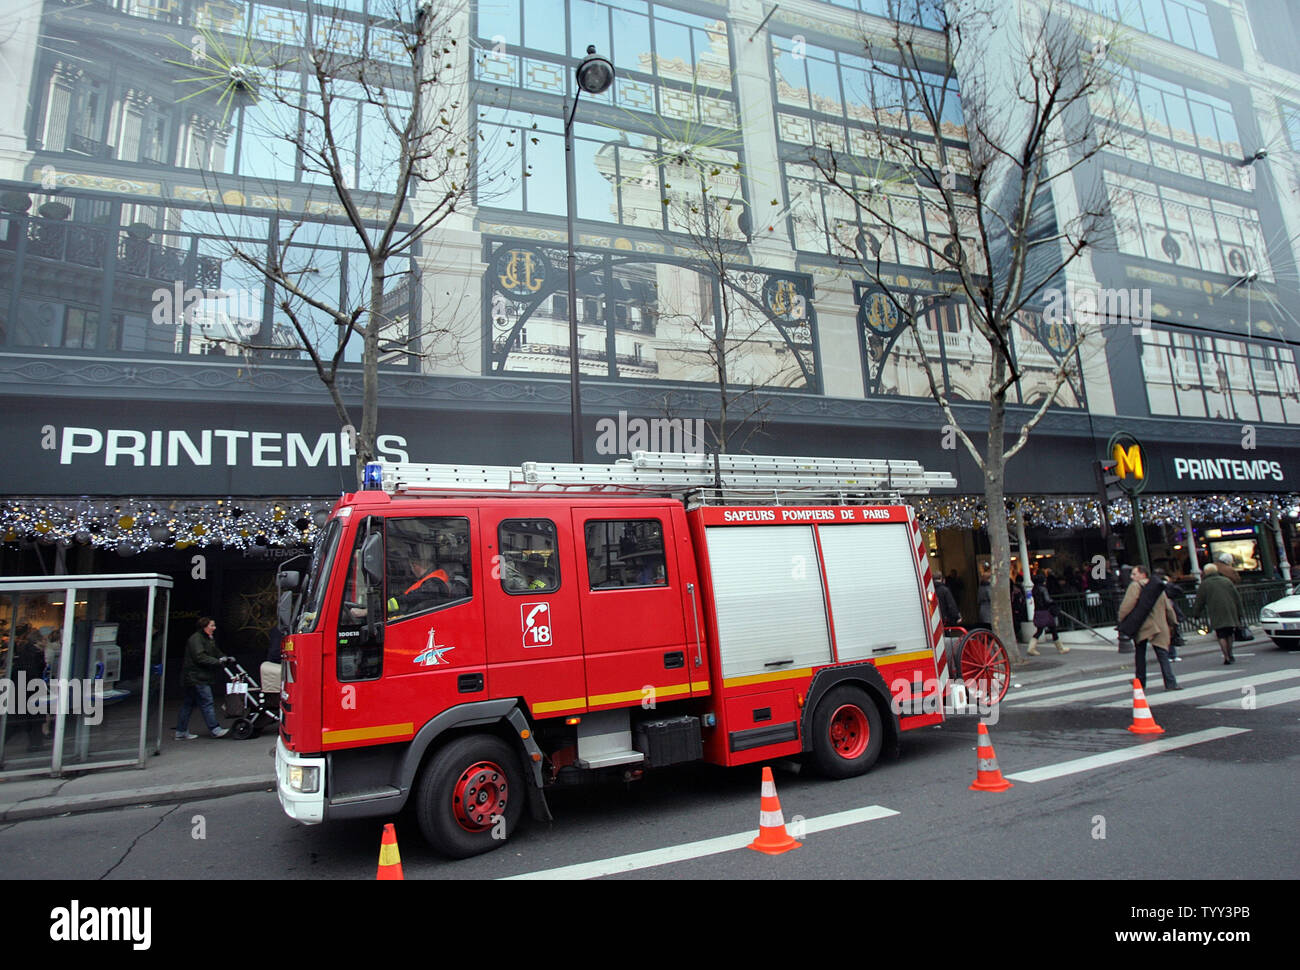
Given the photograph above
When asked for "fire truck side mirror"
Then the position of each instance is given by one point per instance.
(372, 558)
(288, 579)
(284, 612)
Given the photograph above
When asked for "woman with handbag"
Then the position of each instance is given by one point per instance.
(1045, 610)
(1219, 600)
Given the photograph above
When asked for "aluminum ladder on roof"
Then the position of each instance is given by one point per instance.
(660, 472)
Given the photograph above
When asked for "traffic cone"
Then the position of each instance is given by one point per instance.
(390, 863)
(772, 836)
(1143, 722)
(988, 777)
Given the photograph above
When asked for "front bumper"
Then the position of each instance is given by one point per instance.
(1285, 626)
(305, 807)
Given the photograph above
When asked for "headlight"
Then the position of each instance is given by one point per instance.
(1267, 614)
(304, 779)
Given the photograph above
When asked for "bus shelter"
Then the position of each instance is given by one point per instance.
(81, 671)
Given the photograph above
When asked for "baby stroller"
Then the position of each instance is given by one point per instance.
(251, 706)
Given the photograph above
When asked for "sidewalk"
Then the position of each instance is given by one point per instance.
(210, 767)
(183, 770)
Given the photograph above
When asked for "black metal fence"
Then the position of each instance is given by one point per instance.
(1101, 608)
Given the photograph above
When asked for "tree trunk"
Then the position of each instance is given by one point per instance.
(367, 433)
(999, 540)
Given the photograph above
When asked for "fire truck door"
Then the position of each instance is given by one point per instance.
(410, 628)
(633, 628)
(534, 640)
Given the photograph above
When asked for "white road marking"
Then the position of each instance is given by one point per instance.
(696, 850)
(1161, 696)
(1144, 750)
(1112, 679)
(1125, 686)
(1271, 699)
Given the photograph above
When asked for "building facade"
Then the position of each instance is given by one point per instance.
(144, 432)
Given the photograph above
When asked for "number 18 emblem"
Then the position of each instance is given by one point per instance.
(536, 618)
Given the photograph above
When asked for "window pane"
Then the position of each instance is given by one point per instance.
(626, 553)
(529, 560)
(428, 565)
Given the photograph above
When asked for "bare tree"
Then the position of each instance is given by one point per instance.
(959, 183)
(381, 131)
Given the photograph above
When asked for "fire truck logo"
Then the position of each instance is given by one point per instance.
(536, 618)
(432, 653)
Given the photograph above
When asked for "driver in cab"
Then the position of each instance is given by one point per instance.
(433, 585)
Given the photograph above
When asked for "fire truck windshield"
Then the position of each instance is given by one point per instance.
(313, 597)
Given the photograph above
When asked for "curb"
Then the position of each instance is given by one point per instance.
(160, 795)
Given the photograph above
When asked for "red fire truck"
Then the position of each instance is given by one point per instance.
(470, 637)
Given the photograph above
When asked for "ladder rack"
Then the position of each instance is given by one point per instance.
(759, 479)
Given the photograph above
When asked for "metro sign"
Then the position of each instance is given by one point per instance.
(1129, 462)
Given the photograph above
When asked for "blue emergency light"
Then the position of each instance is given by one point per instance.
(372, 478)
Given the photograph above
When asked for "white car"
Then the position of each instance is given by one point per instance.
(1281, 621)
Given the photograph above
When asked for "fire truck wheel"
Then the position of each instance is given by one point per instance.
(471, 796)
(847, 732)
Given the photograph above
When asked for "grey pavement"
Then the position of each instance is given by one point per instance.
(208, 767)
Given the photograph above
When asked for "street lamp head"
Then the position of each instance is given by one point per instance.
(595, 74)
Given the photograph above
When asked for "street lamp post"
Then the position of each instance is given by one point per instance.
(594, 75)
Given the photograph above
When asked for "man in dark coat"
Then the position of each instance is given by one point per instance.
(948, 611)
(202, 669)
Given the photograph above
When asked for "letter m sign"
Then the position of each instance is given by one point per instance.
(1128, 461)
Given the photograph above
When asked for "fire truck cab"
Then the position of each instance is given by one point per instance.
(470, 638)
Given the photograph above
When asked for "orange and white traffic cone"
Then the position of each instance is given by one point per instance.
(1143, 722)
(772, 836)
(988, 777)
(390, 863)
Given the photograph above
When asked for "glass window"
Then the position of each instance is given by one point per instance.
(428, 565)
(529, 560)
(360, 652)
(626, 553)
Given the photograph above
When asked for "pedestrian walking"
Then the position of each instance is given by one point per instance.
(984, 599)
(1045, 611)
(1219, 600)
(1146, 616)
(948, 611)
(203, 662)
(1177, 599)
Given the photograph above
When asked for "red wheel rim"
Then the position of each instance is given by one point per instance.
(479, 796)
(849, 731)
(985, 666)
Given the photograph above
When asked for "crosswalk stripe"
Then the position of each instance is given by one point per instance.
(694, 850)
(1125, 685)
(1191, 693)
(1071, 686)
(1143, 750)
(1270, 699)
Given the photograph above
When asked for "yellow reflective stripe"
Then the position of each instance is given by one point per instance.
(366, 734)
(388, 856)
(636, 695)
(903, 658)
(765, 678)
(699, 685)
(545, 707)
